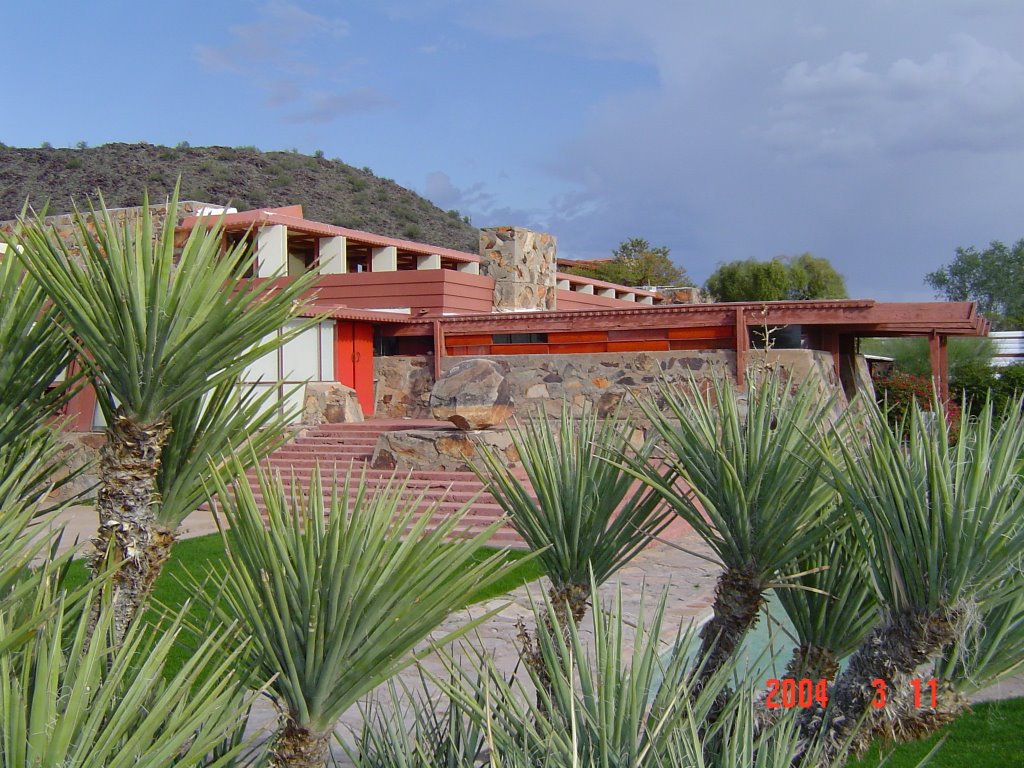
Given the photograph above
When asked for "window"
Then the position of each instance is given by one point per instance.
(520, 338)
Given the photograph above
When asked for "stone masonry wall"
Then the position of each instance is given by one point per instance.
(522, 263)
(541, 382)
(403, 386)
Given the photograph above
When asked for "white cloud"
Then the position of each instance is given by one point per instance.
(969, 96)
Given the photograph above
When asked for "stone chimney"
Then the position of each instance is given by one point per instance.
(522, 263)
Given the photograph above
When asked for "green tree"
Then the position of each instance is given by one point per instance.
(994, 278)
(784, 278)
(636, 262)
(160, 329)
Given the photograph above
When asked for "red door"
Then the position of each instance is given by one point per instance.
(353, 360)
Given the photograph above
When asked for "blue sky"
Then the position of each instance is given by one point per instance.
(880, 134)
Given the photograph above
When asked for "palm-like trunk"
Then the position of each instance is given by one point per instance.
(892, 653)
(296, 746)
(812, 662)
(739, 596)
(569, 602)
(138, 547)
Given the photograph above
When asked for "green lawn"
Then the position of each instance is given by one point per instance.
(992, 736)
(192, 559)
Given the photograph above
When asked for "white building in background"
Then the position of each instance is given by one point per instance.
(1009, 347)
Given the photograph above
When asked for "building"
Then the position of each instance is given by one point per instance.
(397, 315)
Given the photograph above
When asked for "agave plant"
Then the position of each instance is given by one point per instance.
(67, 698)
(941, 527)
(582, 514)
(755, 487)
(336, 596)
(156, 328)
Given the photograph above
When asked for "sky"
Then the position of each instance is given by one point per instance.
(879, 134)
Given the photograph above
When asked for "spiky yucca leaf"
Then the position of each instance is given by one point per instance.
(993, 648)
(29, 534)
(941, 522)
(583, 514)
(67, 699)
(33, 350)
(337, 595)
(831, 606)
(411, 729)
(234, 420)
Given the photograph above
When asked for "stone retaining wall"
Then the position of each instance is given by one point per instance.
(541, 382)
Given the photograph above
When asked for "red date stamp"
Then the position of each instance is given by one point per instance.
(789, 692)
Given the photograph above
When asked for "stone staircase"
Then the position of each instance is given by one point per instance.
(343, 448)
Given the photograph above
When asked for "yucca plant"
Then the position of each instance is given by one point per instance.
(755, 487)
(582, 514)
(156, 328)
(831, 605)
(992, 649)
(620, 700)
(410, 728)
(337, 595)
(941, 527)
(68, 697)
(33, 350)
(28, 538)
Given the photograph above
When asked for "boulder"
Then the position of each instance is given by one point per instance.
(473, 394)
(330, 403)
(444, 449)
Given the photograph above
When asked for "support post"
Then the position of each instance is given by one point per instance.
(333, 255)
(384, 259)
(742, 346)
(438, 348)
(830, 343)
(432, 261)
(271, 250)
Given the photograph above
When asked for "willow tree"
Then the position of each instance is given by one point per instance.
(157, 329)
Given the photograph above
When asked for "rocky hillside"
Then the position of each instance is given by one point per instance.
(328, 190)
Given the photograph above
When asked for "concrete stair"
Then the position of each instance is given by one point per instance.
(340, 449)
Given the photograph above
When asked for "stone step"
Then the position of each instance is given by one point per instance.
(342, 450)
(304, 466)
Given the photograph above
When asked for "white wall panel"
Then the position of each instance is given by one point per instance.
(301, 356)
(265, 368)
(327, 350)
